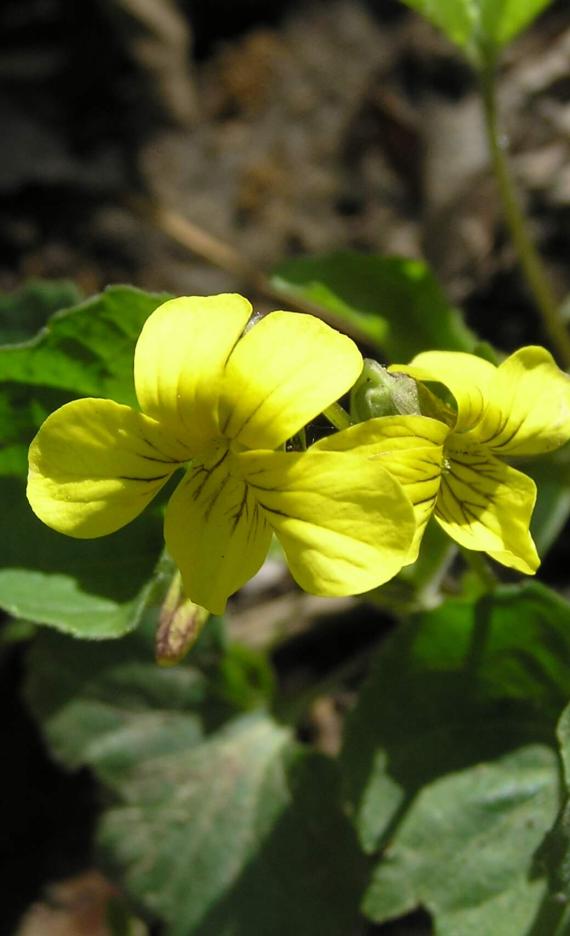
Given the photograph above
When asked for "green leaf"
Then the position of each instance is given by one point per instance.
(92, 588)
(397, 303)
(465, 850)
(449, 760)
(220, 824)
(25, 311)
(479, 27)
(502, 20)
(85, 350)
(556, 847)
(242, 834)
(455, 18)
(87, 588)
(111, 708)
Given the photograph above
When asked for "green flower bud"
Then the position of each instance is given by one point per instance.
(180, 624)
(378, 392)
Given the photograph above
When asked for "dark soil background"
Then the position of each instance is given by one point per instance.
(281, 129)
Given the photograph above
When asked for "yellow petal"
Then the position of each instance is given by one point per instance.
(485, 505)
(528, 409)
(465, 375)
(410, 448)
(180, 359)
(95, 465)
(283, 373)
(345, 524)
(215, 532)
(386, 435)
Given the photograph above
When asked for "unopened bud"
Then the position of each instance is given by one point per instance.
(379, 393)
(180, 624)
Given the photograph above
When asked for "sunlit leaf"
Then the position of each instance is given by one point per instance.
(397, 303)
(87, 349)
(502, 20)
(90, 589)
(452, 741)
(480, 27)
(456, 18)
(465, 849)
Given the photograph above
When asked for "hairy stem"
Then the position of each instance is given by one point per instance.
(529, 258)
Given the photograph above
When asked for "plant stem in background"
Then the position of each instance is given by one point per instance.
(337, 416)
(226, 257)
(479, 565)
(530, 260)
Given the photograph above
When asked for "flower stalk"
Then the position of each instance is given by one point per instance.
(530, 260)
(337, 416)
(179, 626)
(481, 568)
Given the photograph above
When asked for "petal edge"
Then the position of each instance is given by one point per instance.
(95, 465)
(285, 371)
(486, 505)
(215, 533)
(344, 522)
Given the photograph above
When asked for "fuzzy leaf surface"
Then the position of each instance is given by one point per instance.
(450, 761)
(219, 821)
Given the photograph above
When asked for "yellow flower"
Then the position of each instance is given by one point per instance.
(455, 471)
(222, 402)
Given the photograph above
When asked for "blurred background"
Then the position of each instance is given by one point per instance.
(281, 128)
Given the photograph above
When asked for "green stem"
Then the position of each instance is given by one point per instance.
(529, 257)
(337, 416)
(427, 573)
(418, 587)
(479, 565)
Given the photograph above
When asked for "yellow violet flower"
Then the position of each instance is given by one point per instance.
(456, 472)
(222, 402)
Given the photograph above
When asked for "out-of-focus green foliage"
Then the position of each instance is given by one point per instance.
(480, 27)
(397, 303)
(221, 823)
(244, 833)
(112, 707)
(556, 850)
(25, 311)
